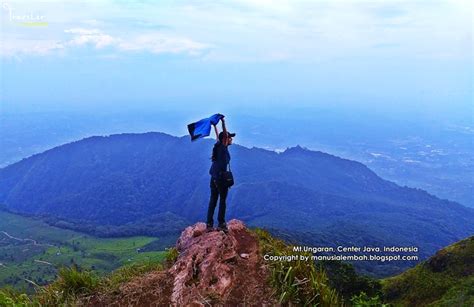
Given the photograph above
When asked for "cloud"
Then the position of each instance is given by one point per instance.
(160, 43)
(82, 31)
(153, 42)
(18, 47)
(267, 30)
(90, 36)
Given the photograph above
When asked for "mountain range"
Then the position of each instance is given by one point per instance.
(154, 183)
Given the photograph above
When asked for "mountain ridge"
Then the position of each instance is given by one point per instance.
(445, 279)
(147, 183)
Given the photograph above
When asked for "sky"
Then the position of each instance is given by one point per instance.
(403, 57)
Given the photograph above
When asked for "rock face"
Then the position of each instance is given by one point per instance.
(213, 268)
(215, 265)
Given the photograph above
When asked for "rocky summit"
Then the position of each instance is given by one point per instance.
(213, 268)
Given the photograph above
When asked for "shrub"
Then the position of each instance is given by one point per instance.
(171, 255)
(11, 298)
(363, 300)
(344, 279)
(296, 282)
(70, 284)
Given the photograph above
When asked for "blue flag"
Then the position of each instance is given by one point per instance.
(202, 128)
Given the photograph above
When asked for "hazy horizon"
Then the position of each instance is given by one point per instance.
(400, 57)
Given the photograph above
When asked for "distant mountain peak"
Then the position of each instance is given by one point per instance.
(296, 148)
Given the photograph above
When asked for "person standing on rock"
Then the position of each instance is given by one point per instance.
(219, 188)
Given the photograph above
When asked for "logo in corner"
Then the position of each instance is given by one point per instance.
(26, 19)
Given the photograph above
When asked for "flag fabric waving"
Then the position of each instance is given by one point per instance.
(202, 128)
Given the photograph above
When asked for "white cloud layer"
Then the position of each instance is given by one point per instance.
(18, 47)
(155, 42)
(90, 36)
(246, 30)
(160, 43)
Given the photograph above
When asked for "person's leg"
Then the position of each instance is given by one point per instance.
(212, 204)
(222, 204)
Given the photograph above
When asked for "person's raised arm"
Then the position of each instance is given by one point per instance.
(217, 132)
(224, 130)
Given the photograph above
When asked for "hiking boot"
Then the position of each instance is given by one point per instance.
(209, 228)
(223, 227)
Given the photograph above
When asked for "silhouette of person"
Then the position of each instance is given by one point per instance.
(220, 161)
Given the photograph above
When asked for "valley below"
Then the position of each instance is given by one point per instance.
(32, 252)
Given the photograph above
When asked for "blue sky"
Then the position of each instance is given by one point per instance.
(393, 56)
